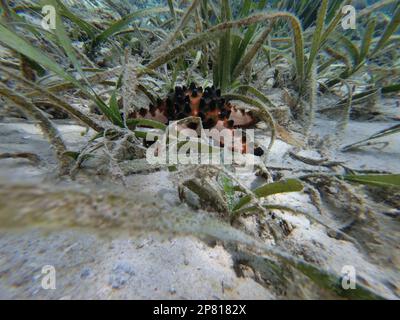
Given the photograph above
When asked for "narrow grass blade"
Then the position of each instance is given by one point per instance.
(87, 27)
(114, 108)
(20, 45)
(389, 31)
(316, 42)
(333, 23)
(182, 23)
(291, 185)
(251, 53)
(262, 97)
(391, 88)
(146, 123)
(171, 8)
(351, 49)
(121, 24)
(387, 180)
(63, 38)
(366, 42)
(383, 133)
(225, 53)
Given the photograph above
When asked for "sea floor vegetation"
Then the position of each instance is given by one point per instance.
(84, 87)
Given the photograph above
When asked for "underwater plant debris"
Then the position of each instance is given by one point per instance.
(194, 150)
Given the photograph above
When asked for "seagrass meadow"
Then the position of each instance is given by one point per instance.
(308, 92)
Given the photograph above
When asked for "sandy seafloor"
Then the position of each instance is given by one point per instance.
(95, 263)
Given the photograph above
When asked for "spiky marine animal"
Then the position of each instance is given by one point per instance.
(208, 105)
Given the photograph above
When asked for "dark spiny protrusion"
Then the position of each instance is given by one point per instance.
(170, 108)
(258, 152)
(178, 90)
(202, 116)
(207, 92)
(193, 125)
(180, 99)
(202, 104)
(187, 109)
(209, 123)
(192, 86)
(212, 105)
(207, 104)
(181, 116)
(143, 112)
(152, 110)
